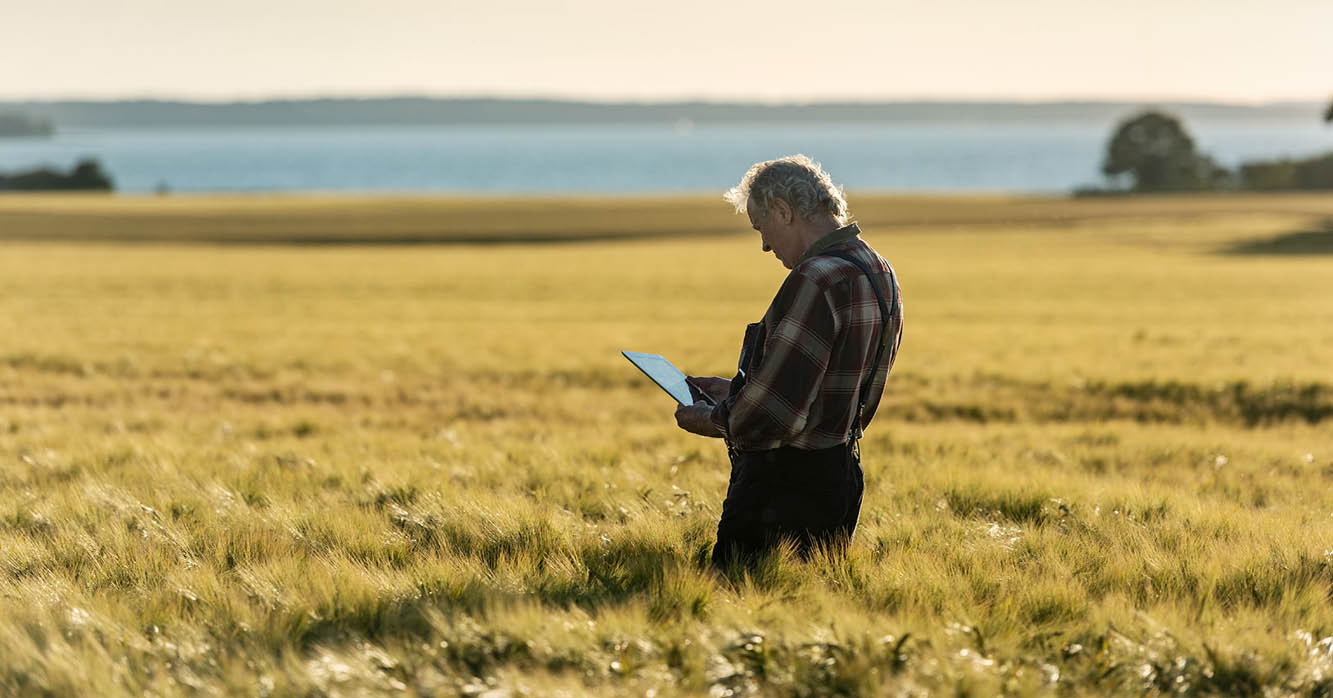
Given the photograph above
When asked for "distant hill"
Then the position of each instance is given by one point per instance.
(424, 110)
(21, 125)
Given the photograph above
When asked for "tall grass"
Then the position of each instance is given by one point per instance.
(272, 470)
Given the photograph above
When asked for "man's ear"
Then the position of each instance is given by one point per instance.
(783, 211)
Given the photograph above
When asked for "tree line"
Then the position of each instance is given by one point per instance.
(1157, 154)
(87, 174)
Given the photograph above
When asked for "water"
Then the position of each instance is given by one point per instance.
(1037, 156)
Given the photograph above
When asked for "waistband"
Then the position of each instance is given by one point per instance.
(791, 453)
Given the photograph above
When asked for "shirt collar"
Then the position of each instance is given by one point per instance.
(843, 234)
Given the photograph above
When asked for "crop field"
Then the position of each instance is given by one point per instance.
(302, 446)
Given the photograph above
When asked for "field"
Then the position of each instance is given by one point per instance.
(303, 446)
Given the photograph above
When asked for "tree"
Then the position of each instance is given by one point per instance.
(1154, 148)
(86, 174)
(1309, 173)
(1328, 114)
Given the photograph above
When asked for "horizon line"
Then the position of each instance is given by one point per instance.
(665, 101)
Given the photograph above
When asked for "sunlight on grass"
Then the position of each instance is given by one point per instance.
(1099, 467)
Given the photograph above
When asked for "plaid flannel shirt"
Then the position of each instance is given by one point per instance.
(820, 336)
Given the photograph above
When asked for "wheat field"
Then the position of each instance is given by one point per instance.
(302, 447)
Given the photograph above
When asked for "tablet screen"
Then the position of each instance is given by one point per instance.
(656, 367)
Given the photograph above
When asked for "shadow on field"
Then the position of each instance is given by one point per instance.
(1301, 242)
(1010, 400)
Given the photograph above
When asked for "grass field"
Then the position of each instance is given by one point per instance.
(283, 466)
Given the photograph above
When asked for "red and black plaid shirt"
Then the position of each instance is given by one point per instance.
(820, 336)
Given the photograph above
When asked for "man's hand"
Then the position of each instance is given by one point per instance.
(696, 419)
(716, 388)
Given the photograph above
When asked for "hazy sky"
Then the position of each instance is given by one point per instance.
(1234, 50)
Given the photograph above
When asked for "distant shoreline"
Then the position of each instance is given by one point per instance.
(18, 125)
(429, 110)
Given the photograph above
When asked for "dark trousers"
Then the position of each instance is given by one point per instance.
(811, 498)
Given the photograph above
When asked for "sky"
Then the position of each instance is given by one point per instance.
(1248, 51)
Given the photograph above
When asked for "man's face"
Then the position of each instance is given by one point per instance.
(778, 235)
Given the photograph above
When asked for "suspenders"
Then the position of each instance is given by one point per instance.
(859, 425)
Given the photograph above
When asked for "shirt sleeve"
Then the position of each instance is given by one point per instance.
(774, 405)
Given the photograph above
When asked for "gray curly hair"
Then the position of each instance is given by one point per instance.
(796, 179)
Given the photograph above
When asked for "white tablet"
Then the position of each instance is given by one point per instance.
(667, 376)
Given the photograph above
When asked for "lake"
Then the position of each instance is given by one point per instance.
(1036, 156)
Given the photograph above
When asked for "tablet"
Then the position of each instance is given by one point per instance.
(666, 376)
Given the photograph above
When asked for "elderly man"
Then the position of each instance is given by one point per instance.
(810, 374)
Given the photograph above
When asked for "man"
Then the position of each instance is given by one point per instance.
(810, 375)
